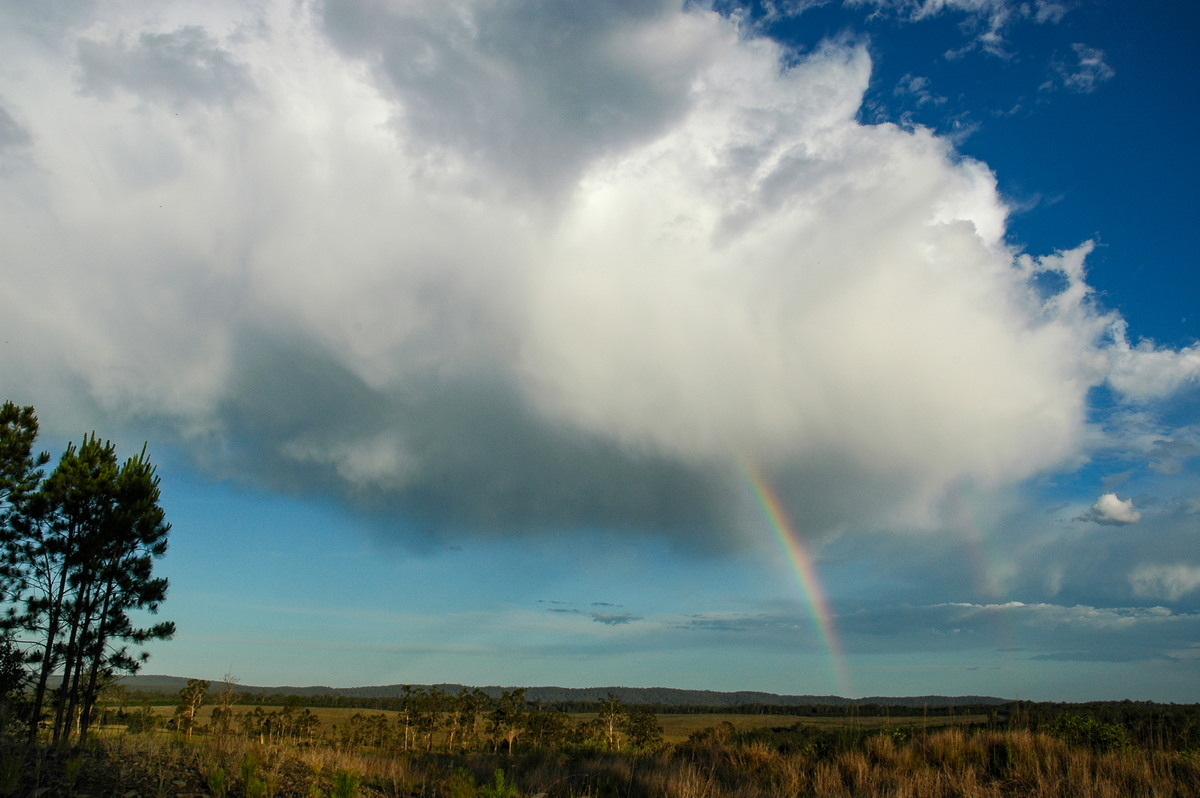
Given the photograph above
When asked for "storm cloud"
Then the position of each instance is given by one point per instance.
(529, 268)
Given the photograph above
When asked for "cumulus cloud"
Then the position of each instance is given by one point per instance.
(1112, 511)
(511, 267)
(1145, 371)
(468, 81)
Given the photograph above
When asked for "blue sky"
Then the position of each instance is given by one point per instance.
(456, 331)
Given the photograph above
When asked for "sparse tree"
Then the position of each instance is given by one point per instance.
(611, 718)
(507, 720)
(191, 698)
(468, 713)
(221, 723)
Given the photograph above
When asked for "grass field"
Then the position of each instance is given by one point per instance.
(676, 728)
(1147, 751)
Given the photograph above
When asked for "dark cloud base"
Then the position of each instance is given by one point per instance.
(483, 464)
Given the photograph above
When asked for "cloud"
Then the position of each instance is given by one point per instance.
(608, 619)
(614, 620)
(1048, 12)
(1036, 630)
(601, 78)
(12, 134)
(1145, 371)
(1084, 75)
(987, 21)
(1046, 631)
(1169, 582)
(178, 68)
(1110, 510)
(505, 269)
(917, 87)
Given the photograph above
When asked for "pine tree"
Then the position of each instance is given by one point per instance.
(20, 476)
(81, 551)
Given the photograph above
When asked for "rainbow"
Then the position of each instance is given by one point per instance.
(802, 564)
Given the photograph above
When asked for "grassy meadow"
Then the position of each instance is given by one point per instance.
(676, 727)
(505, 749)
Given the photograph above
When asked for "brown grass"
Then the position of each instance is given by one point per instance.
(676, 727)
(948, 763)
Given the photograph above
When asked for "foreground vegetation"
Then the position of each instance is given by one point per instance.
(507, 747)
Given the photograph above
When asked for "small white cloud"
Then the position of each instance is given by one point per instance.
(1170, 582)
(1044, 12)
(917, 87)
(1084, 76)
(1111, 511)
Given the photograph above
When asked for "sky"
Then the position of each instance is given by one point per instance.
(798, 346)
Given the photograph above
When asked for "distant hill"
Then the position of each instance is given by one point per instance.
(666, 696)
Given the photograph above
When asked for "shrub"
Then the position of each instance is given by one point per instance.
(345, 784)
(217, 780)
(498, 789)
(461, 784)
(1085, 730)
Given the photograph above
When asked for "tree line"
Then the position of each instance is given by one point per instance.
(420, 721)
(77, 552)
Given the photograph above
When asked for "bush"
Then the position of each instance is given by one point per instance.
(345, 784)
(498, 789)
(1085, 730)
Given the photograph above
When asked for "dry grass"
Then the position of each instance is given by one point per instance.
(948, 763)
(676, 728)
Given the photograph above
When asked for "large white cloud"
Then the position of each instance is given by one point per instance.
(458, 249)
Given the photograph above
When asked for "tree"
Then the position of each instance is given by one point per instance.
(79, 551)
(612, 714)
(20, 469)
(221, 722)
(467, 711)
(642, 727)
(546, 728)
(20, 475)
(507, 720)
(191, 698)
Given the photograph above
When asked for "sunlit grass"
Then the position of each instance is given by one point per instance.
(716, 760)
(676, 727)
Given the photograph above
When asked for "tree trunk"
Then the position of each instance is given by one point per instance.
(89, 693)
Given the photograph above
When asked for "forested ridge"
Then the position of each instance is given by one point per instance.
(707, 700)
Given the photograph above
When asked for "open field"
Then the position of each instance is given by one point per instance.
(676, 727)
(512, 749)
(949, 763)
